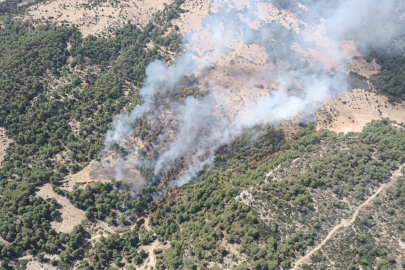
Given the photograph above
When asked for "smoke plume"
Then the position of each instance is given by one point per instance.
(260, 65)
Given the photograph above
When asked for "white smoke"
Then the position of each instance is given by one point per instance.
(201, 130)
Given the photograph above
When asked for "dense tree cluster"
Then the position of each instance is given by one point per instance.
(101, 200)
(390, 82)
(203, 217)
(206, 213)
(58, 94)
(120, 249)
(98, 200)
(11, 7)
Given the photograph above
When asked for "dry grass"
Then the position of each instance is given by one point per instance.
(244, 73)
(99, 19)
(352, 111)
(35, 265)
(363, 68)
(70, 215)
(191, 21)
(81, 178)
(269, 13)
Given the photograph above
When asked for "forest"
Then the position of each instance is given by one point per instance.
(207, 214)
(53, 80)
(58, 94)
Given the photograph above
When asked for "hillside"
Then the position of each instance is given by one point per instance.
(202, 135)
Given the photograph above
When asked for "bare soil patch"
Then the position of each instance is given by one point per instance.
(81, 178)
(70, 215)
(4, 143)
(151, 260)
(35, 265)
(3, 241)
(96, 19)
(352, 111)
(113, 166)
(190, 21)
(242, 74)
(363, 68)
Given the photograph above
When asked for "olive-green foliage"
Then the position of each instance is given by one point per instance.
(390, 82)
(181, 95)
(102, 200)
(51, 108)
(245, 154)
(12, 7)
(99, 200)
(207, 213)
(203, 215)
(353, 162)
(364, 244)
(115, 248)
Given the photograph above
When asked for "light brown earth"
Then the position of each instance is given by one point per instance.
(100, 19)
(81, 178)
(70, 215)
(244, 73)
(4, 143)
(35, 265)
(241, 76)
(363, 68)
(234, 84)
(150, 262)
(242, 67)
(235, 80)
(112, 166)
(190, 21)
(352, 111)
(3, 241)
(269, 13)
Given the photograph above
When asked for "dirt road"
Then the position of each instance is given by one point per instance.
(344, 223)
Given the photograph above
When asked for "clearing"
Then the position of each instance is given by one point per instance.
(4, 143)
(70, 215)
(95, 18)
(352, 111)
(81, 178)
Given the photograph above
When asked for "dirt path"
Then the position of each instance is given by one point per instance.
(344, 223)
(4, 142)
(151, 261)
(111, 231)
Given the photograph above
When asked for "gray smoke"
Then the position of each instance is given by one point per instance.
(201, 129)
